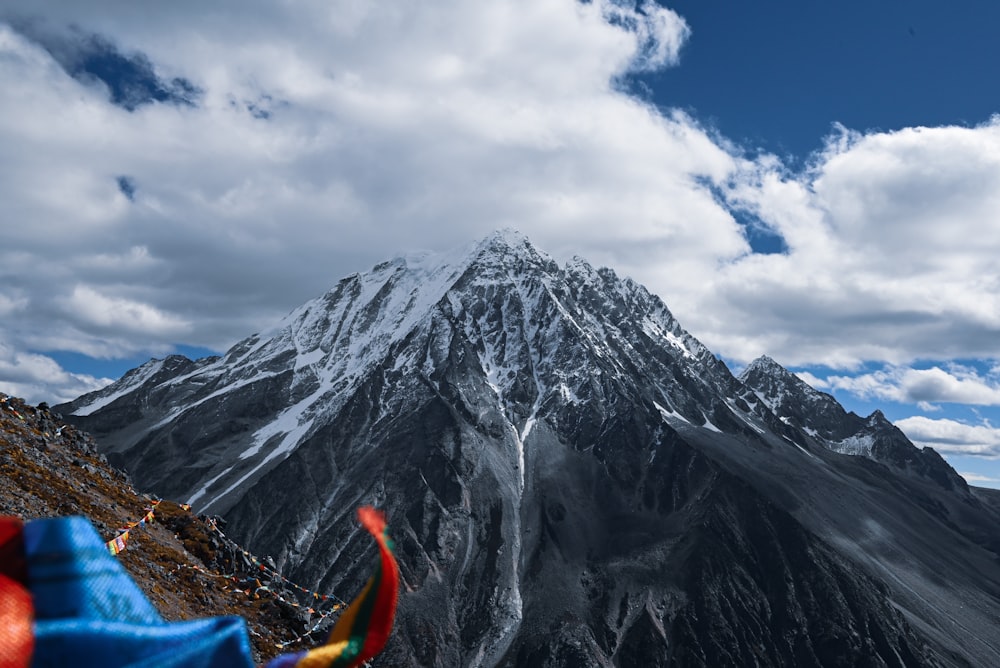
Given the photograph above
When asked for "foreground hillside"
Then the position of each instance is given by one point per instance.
(183, 563)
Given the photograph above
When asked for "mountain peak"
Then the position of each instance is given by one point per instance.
(506, 238)
(509, 249)
(765, 364)
(530, 335)
(773, 382)
(505, 248)
(821, 416)
(764, 374)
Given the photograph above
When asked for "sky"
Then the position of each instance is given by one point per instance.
(815, 181)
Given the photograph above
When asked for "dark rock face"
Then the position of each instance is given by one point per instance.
(791, 398)
(571, 479)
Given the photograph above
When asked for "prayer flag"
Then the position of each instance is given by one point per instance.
(363, 629)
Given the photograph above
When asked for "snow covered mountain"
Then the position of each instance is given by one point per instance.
(571, 478)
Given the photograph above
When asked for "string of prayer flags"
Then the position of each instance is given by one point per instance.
(118, 544)
(363, 627)
(264, 568)
(308, 632)
(10, 407)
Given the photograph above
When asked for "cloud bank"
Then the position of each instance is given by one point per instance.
(923, 386)
(950, 437)
(41, 378)
(891, 242)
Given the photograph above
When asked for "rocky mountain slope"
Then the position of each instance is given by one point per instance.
(185, 565)
(572, 479)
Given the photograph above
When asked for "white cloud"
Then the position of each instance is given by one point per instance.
(10, 305)
(661, 31)
(952, 438)
(813, 381)
(118, 314)
(976, 477)
(923, 386)
(37, 378)
(892, 244)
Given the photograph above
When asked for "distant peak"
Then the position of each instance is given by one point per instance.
(510, 249)
(765, 364)
(877, 418)
(577, 264)
(506, 238)
(765, 372)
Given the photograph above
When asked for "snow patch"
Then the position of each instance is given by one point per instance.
(656, 330)
(710, 426)
(771, 402)
(854, 445)
(292, 425)
(567, 394)
(217, 393)
(204, 488)
(750, 423)
(309, 358)
(799, 447)
(670, 415)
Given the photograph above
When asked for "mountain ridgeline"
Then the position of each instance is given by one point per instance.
(571, 478)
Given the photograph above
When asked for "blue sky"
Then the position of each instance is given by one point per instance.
(777, 75)
(811, 180)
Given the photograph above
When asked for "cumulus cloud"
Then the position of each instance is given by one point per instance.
(922, 386)
(38, 378)
(660, 31)
(950, 437)
(11, 304)
(122, 315)
(813, 381)
(891, 251)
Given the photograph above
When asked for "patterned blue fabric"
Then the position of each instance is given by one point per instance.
(89, 612)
